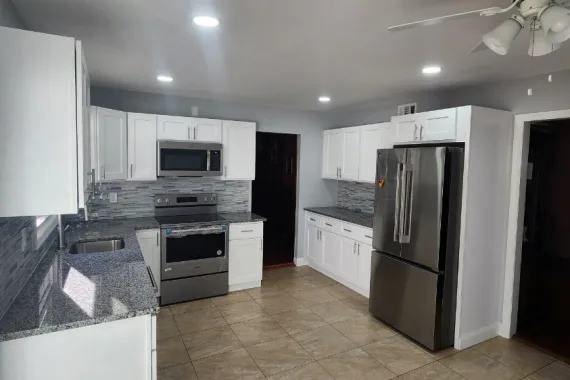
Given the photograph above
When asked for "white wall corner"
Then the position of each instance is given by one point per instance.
(300, 261)
(475, 337)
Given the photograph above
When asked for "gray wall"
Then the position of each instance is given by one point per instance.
(9, 16)
(312, 190)
(508, 95)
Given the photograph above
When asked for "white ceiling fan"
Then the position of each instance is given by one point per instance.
(549, 22)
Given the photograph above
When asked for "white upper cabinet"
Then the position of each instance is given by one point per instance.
(209, 130)
(440, 125)
(111, 144)
(141, 147)
(173, 128)
(83, 125)
(332, 153)
(388, 135)
(369, 144)
(38, 124)
(239, 150)
(350, 153)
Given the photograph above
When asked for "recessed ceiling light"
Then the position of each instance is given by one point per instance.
(206, 21)
(164, 78)
(430, 70)
(324, 99)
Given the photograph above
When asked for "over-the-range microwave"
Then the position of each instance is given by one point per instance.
(188, 159)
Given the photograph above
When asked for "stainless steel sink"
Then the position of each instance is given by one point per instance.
(98, 246)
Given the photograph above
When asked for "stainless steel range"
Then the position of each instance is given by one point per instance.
(194, 247)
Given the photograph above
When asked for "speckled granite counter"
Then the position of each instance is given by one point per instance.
(68, 291)
(344, 214)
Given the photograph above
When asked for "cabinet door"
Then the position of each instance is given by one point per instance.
(369, 144)
(239, 150)
(406, 128)
(173, 128)
(364, 267)
(83, 124)
(149, 242)
(388, 135)
(112, 144)
(313, 246)
(206, 130)
(350, 153)
(348, 268)
(245, 261)
(142, 147)
(331, 251)
(332, 153)
(439, 125)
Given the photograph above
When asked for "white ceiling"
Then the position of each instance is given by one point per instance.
(283, 52)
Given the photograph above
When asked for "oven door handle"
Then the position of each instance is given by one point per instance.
(198, 231)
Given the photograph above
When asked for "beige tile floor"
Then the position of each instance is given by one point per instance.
(302, 325)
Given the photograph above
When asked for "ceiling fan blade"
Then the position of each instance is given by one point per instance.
(438, 20)
(480, 47)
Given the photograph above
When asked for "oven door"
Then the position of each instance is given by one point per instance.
(186, 159)
(193, 251)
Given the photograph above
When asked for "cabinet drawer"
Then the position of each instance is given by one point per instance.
(358, 233)
(246, 230)
(315, 220)
(332, 225)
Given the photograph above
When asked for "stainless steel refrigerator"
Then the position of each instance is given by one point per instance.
(416, 241)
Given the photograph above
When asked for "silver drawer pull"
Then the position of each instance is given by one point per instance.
(312, 220)
(369, 237)
(246, 230)
(347, 230)
(330, 225)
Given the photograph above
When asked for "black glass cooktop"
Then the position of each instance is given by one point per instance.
(189, 219)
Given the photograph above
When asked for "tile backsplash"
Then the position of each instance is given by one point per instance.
(136, 199)
(356, 196)
(19, 255)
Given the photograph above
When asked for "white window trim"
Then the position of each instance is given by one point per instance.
(45, 229)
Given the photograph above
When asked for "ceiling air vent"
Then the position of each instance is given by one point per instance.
(407, 109)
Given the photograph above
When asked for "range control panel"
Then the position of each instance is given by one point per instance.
(198, 199)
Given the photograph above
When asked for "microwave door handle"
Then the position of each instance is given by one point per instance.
(208, 161)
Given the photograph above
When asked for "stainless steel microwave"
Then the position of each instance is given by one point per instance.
(188, 159)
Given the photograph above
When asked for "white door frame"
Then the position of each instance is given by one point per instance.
(521, 137)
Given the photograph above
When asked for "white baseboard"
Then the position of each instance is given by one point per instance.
(300, 261)
(476, 337)
(245, 285)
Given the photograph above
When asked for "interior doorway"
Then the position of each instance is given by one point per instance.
(544, 291)
(274, 194)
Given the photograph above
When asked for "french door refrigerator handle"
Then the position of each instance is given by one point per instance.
(397, 211)
(406, 215)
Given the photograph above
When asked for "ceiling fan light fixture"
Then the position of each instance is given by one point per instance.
(500, 39)
(539, 45)
(555, 21)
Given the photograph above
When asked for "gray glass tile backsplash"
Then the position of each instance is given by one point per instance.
(136, 199)
(356, 196)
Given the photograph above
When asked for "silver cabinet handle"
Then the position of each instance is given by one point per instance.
(347, 230)
(415, 131)
(354, 248)
(103, 171)
(358, 248)
(421, 132)
(188, 133)
(330, 225)
(152, 278)
(246, 230)
(157, 239)
(131, 170)
(312, 220)
(340, 172)
(369, 237)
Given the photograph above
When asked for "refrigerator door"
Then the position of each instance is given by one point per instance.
(406, 297)
(423, 183)
(386, 237)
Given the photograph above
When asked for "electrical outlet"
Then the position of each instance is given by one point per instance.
(113, 197)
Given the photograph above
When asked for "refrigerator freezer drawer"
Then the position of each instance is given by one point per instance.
(406, 297)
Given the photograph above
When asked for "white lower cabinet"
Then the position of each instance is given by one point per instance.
(245, 256)
(344, 254)
(149, 241)
(122, 349)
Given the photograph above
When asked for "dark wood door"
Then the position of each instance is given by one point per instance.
(274, 194)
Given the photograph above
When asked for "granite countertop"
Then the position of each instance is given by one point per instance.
(68, 291)
(344, 214)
